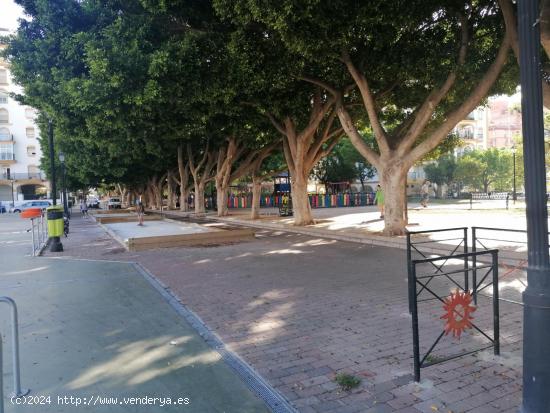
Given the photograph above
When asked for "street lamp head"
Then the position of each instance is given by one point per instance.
(514, 149)
(61, 157)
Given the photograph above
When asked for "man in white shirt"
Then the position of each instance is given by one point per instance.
(425, 192)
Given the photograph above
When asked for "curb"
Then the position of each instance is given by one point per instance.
(253, 380)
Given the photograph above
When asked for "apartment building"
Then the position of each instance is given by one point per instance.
(20, 174)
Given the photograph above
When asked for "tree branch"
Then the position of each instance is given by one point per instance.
(275, 123)
(481, 90)
(288, 156)
(314, 124)
(320, 140)
(370, 104)
(356, 139)
(424, 114)
(319, 83)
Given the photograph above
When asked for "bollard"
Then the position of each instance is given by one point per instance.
(55, 227)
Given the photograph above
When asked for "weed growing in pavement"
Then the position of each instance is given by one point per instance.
(347, 381)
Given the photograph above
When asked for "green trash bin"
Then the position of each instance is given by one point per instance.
(54, 215)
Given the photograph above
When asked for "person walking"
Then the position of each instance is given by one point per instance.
(379, 200)
(83, 208)
(140, 209)
(425, 192)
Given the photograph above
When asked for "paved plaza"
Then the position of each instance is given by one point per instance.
(301, 309)
(97, 330)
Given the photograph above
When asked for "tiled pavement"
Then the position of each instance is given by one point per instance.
(302, 309)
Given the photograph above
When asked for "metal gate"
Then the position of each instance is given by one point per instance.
(451, 287)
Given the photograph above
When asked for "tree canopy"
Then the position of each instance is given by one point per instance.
(155, 95)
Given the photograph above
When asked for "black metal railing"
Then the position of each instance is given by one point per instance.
(416, 247)
(455, 304)
(22, 175)
(482, 236)
(484, 196)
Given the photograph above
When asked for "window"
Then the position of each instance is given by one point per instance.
(4, 116)
(3, 97)
(6, 152)
(30, 133)
(31, 151)
(29, 113)
(467, 132)
(5, 134)
(34, 171)
(3, 76)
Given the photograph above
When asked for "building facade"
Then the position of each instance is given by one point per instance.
(20, 174)
(504, 122)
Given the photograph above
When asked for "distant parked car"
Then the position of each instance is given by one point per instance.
(92, 202)
(32, 204)
(114, 203)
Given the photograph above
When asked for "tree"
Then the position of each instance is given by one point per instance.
(442, 171)
(411, 107)
(344, 164)
(303, 114)
(486, 170)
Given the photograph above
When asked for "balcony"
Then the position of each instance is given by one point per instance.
(23, 176)
(7, 157)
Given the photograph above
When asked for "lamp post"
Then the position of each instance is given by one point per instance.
(536, 297)
(514, 194)
(64, 190)
(52, 162)
(12, 194)
(55, 242)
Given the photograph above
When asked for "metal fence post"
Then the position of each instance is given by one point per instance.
(474, 265)
(496, 315)
(17, 390)
(409, 272)
(416, 341)
(471, 199)
(466, 266)
(32, 231)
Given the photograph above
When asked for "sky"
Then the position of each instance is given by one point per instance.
(9, 13)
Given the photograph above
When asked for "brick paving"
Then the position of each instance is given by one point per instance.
(300, 310)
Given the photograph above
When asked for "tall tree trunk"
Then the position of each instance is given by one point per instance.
(393, 181)
(256, 195)
(300, 199)
(183, 181)
(199, 197)
(170, 190)
(184, 198)
(157, 188)
(226, 173)
(303, 149)
(150, 196)
(202, 174)
(221, 198)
